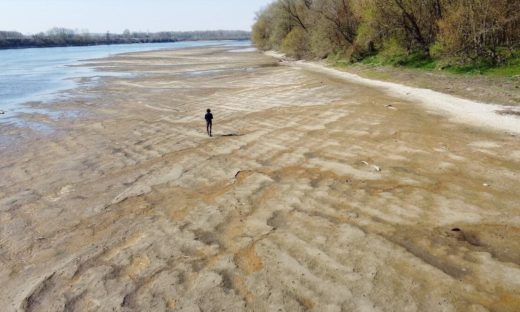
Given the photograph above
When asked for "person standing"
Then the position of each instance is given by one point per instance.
(209, 121)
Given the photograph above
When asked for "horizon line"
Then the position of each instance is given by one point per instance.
(83, 31)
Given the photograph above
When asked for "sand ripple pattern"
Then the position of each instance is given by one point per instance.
(312, 196)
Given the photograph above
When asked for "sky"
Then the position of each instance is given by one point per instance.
(33, 16)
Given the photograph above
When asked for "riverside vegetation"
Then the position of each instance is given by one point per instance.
(462, 36)
(58, 37)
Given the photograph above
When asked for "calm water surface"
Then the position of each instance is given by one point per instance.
(39, 74)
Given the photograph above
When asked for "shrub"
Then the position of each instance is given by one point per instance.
(296, 43)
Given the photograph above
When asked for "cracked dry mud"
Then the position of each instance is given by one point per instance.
(133, 208)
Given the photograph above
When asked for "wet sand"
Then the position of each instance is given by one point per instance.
(313, 195)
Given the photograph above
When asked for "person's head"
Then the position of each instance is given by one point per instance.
(208, 110)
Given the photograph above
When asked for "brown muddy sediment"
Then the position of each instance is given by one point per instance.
(133, 207)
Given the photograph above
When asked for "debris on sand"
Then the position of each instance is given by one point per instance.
(352, 215)
(376, 168)
(509, 112)
(390, 106)
(2, 112)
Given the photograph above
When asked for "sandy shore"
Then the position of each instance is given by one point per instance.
(479, 88)
(315, 193)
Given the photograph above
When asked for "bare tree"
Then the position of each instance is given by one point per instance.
(295, 10)
(341, 15)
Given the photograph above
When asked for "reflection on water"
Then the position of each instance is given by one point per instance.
(37, 75)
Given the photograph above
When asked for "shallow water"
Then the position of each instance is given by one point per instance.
(39, 74)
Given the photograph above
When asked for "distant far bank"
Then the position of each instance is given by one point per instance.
(62, 37)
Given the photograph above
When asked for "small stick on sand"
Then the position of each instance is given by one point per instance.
(376, 168)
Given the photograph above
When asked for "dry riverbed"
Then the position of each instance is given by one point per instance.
(315, 194)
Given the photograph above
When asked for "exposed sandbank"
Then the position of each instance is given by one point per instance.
(464, 110)
(131, 207)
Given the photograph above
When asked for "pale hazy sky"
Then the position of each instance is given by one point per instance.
(32, 16)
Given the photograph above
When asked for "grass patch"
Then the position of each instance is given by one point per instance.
(419, 61)
(416, 61)
(510, 69)
(472, 69)
(373, 60)
(338, 61)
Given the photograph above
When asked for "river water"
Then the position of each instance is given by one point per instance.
(39, 74)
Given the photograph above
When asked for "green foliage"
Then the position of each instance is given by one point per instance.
(470, 69)
(320, 44)
(338, 60)
(296, 43)
(461, 36)
(480, 31)
(392, 51)
(511, 68)
(365, 35)
(419, 61)
(260, 34)
(437, 50)
(415, 60)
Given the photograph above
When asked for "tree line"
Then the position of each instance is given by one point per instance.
(57, 37)
(454, 31)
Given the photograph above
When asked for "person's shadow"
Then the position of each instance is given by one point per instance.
(231, 135)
